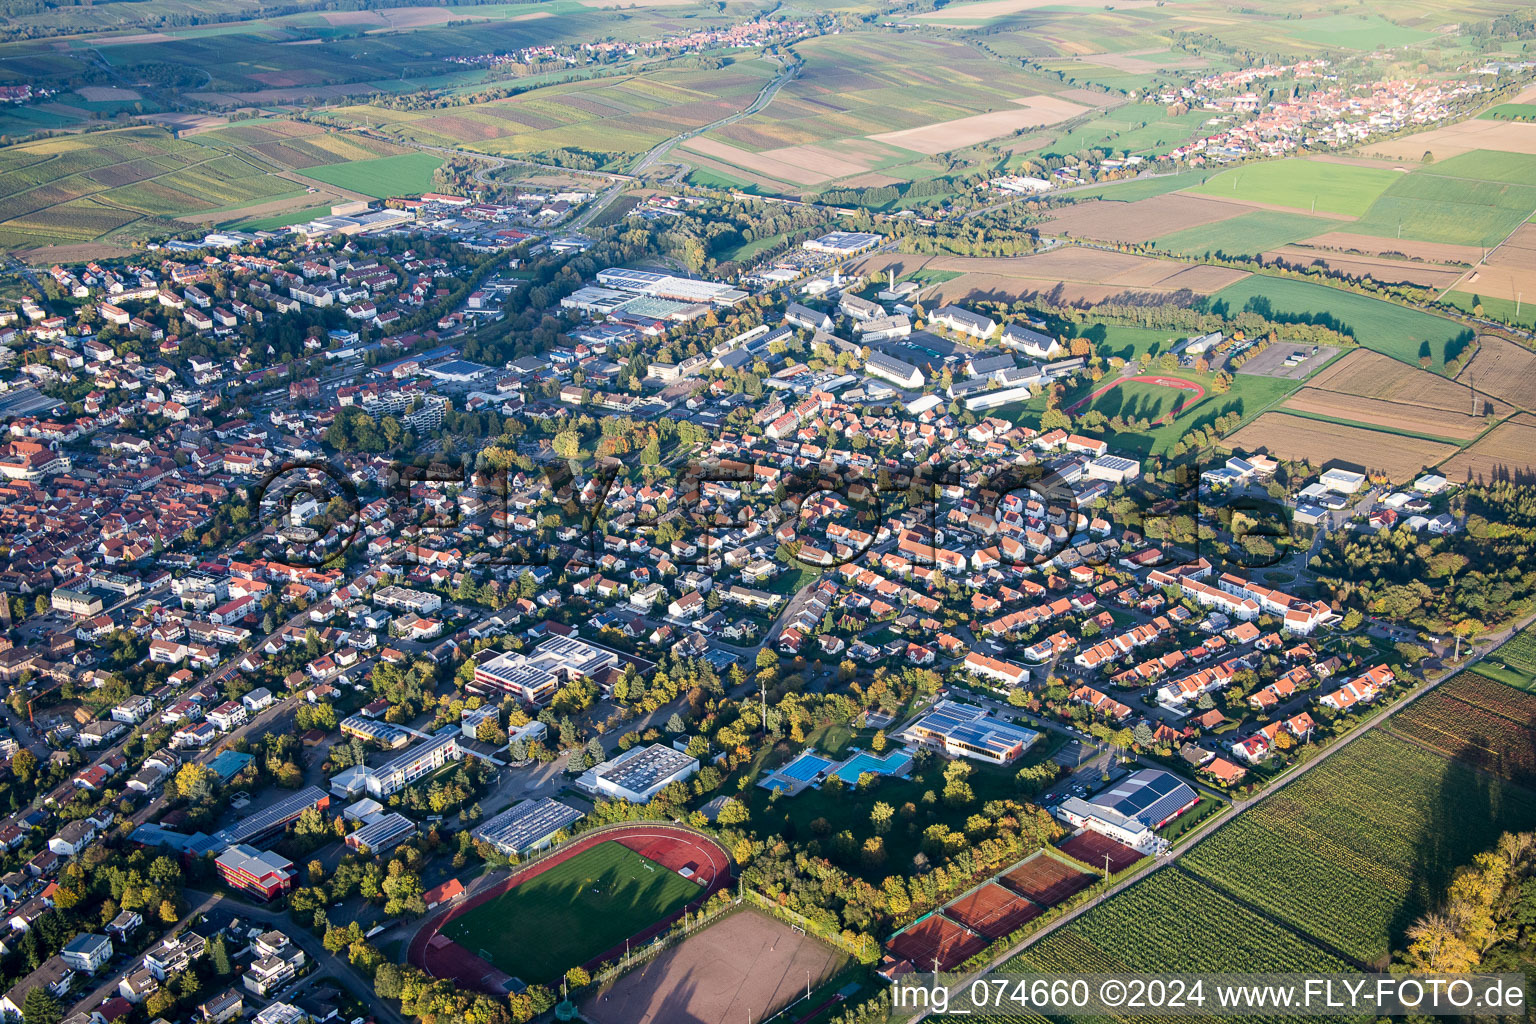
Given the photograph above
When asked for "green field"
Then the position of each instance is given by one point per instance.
(572, 913)
(1384, 327)
(1249, 234)
(1353, 31)
(1510, 112)
(1312, 185)
(1476, 201)
(405, 175)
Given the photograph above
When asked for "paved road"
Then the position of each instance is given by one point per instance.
(1203, 831)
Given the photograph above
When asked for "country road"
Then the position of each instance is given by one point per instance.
(1208, 828)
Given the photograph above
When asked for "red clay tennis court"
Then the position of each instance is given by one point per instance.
(993, 911)
(935, 937)
(1046, 880)
(1090, 847)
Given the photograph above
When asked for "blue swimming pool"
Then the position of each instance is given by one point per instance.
(894, 763)
(805, 768)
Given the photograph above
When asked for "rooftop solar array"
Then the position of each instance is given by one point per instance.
(1149, 795)
(643, 770)
(272, 818)
(527, 824)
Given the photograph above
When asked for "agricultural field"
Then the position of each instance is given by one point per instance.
(1503, 369)
(1477, 721)
(1387, 270)
(330, 55)
(127, 182)
(406, 175)
(624, 116)
(1369, 388)
(612, 890)
(1077, 274)
(1247, 235)
(1137, 128)
(1159, 922)
(1398, 457)
(1362, 844)
(1456, 139)
(1520, 651)
(1314, 185)
(1508, 272)
(1474, 199)
(1507, 452)
(1142, 220)
(1392, 417)
(1397, 331)
(882, 103)
(295, 144)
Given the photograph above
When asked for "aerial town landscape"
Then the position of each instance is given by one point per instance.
(682, 512)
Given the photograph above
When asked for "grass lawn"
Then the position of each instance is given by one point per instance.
(1505, 674)
(571, 913)
(1384, 327)
(407, 174)
(1129, 342)
(715, 179)
(1304, 185)
(1247, 235)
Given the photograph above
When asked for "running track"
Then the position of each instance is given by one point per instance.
(671, 846)
(1177, 383)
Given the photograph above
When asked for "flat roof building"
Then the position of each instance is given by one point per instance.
(963, 730)
(528, 825)
(534, 677)
(640, 773)
(387, 832)
(261, 873)
(843, 243)
(1132, 810)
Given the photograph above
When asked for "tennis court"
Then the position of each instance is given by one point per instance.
(993, 911)
(1090, 847)
(1046, 880)
(935, 938)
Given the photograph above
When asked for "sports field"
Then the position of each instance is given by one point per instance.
(575, 911)
(404, 175)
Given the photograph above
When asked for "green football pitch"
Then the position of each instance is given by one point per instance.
(571, 913)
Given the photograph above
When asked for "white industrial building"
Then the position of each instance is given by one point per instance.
(639, 773)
